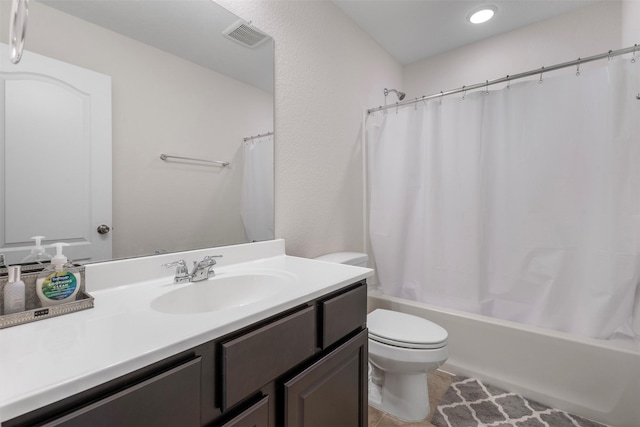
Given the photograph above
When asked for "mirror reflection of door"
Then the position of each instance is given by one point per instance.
(56, 149)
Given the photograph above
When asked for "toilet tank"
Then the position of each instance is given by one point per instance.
(349, 258)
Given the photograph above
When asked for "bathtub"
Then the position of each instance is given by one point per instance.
(595, 379)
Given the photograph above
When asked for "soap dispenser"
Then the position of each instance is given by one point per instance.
(57, 284)
(14, 296)
(38, 254)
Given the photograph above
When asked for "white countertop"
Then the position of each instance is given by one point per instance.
(48, 360)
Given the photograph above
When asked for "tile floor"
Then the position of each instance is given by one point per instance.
(438, 382)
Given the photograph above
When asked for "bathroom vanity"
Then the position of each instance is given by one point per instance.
(295, 358)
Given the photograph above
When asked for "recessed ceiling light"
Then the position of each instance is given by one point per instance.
(483, 14)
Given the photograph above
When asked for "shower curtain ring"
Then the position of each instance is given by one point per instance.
(578, 68)
(415, 104)
(464, 92)
(609, 56)
(441, 94)
(486, 88)
(541, 72)
(508, 82)
(633, 58)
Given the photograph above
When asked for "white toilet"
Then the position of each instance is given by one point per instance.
(402, 349)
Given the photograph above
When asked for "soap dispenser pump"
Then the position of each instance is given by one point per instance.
(56, 284)
(38, 254)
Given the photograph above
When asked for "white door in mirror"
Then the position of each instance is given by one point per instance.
(60, 169)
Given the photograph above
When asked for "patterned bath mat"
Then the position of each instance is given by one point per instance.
(471, 403)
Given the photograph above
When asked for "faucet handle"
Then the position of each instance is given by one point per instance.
(210, 258)
(179, 263)
(182, 271)
(207, 261)
(203, 270)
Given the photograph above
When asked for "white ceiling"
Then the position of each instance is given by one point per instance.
(411, 30)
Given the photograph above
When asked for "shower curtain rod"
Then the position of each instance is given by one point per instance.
(249, 138)
(508, 78)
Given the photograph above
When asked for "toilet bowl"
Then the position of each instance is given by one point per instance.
(402, 350)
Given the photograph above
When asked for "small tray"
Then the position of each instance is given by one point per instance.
(82, 302)
(34, 310)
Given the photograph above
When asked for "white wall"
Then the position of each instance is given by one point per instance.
(588, 31)
(631, 36)
(327, 72)
(162, 104)
(630, 25)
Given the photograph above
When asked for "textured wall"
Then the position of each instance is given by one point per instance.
(327, 72)
(631, 36)
(630, 25)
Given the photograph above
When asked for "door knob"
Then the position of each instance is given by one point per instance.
(103, 229)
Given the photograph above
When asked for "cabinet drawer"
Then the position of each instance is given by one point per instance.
(343, 314)
(256, 358)
(171, 398)
(256, 416)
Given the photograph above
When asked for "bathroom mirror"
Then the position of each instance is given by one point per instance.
(179, 87)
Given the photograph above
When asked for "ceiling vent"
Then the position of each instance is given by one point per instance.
(243, 33)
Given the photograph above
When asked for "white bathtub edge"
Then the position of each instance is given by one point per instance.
(595, 379)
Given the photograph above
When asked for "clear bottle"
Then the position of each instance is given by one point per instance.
(14, 296)
(56, 284)
(38, 254)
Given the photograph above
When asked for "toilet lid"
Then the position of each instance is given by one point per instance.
(404, 330)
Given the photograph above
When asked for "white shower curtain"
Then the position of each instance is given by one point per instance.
(521, 204)
(256, 201)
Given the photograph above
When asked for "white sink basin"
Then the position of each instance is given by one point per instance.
(224, 291)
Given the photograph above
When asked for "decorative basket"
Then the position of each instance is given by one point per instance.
(34, 310)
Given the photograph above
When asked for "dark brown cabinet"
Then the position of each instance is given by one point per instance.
(255, 416)
(146, 404)
(306, 367)
(256, 358)
(332, 391)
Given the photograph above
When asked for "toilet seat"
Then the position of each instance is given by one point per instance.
(405, 330)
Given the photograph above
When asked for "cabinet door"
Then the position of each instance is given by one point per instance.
(168, 399)
(256, 416)
(332, 391)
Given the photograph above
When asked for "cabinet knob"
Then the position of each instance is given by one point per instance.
(103, 229)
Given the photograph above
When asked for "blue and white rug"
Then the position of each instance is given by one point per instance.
(470, 403)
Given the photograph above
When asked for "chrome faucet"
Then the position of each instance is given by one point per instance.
(204, 269)
(182, 271)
